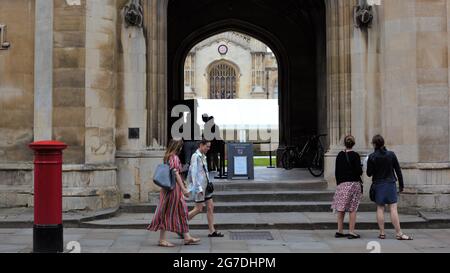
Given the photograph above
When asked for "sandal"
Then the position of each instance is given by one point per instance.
(382, 236)
(165, 244)
(403, 237)
(216, 234)
(192, 242)
(340, 235)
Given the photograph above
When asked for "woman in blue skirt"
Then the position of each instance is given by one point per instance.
(381, 166)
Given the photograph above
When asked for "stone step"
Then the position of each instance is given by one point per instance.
(251, 221)
(252, 207)
(275, 196)
(265, 196)
(271, 186)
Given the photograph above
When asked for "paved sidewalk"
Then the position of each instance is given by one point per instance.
(115, 219)
(294, 220)
(285, 241)
(24, 217)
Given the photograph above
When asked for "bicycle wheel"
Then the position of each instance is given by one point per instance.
(316, 167)
(286, 160)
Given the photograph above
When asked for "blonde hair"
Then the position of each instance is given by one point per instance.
(174, 148)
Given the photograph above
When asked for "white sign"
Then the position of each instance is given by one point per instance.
(240, 165)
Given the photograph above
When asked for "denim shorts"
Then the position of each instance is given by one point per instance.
(386, 193)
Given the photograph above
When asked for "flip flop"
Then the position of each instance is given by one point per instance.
(382, 236)
(216, 234)
(165, 244)
(403, 237)
(192, 242)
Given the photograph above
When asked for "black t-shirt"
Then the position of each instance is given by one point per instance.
(348, 170)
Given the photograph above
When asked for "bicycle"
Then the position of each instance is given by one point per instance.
(293, 155)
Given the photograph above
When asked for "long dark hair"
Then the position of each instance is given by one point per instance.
(174, 148)
(379, 143)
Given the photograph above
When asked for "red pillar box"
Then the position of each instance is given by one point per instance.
(48, 224)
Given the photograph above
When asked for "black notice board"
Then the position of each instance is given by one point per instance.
(240, 161)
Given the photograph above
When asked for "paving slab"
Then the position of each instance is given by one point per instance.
(296, 220)
(294, 241)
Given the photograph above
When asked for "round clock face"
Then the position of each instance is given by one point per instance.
(223, 49)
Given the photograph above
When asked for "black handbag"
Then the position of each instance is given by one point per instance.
(210, 186)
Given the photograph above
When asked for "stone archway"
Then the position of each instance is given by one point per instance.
(334, 76)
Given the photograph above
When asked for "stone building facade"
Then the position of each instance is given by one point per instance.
(231, 65)
(75, 71)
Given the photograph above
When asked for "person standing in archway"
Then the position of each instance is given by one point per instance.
(349, 188)
(201, 187)
(381, 166)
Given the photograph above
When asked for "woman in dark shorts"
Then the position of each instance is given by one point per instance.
(348, 194)
(381, 166)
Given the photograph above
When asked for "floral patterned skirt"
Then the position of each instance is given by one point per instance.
(347, 197)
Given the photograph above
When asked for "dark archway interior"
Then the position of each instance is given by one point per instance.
(294, 29)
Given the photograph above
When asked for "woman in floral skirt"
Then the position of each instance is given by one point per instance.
(349, 188)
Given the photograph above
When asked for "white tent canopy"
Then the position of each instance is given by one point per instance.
(240, 114)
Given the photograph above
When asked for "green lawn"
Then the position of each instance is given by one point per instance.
(262, 162)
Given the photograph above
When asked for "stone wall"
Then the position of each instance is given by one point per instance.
(416, 95)
(16, 101)
(69, 78)
(16, 81)
(392, 79)
(100, 75)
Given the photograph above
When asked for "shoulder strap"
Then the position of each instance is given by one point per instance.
(348, 161)
(204, 168)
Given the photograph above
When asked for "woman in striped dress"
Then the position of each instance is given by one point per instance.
(172, 211)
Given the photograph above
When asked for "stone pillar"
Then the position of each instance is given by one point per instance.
(258, 75)
(141, 101)
(133, 96)
(339, 34)
(69, 77)
(155, 14)
(84, 101)
(366, 83)
(43, 67)
(100, 81)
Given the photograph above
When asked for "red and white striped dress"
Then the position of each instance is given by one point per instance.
(172, 211)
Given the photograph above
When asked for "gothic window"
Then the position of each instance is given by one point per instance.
(222, 81)
(258, 71)
(189, 71)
